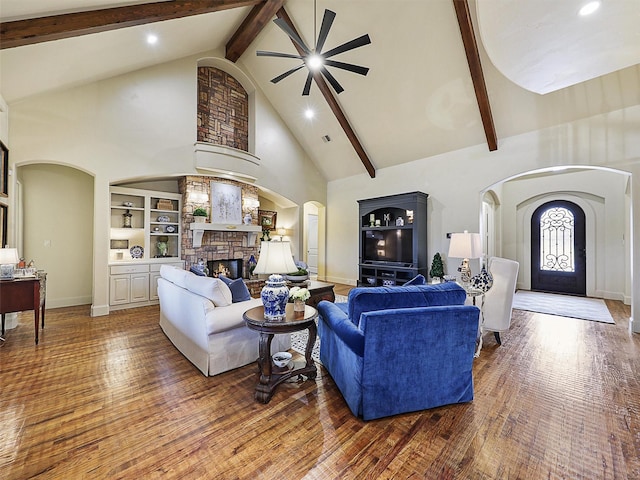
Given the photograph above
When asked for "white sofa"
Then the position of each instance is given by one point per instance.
(198, 316)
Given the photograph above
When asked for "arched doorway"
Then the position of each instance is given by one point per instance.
(558, 248)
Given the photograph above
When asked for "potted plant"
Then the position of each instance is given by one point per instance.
(200, 215)
(299, 297)
(437, 268)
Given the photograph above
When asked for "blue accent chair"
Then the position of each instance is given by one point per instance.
(392, 350)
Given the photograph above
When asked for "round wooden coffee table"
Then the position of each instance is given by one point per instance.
(270, 377)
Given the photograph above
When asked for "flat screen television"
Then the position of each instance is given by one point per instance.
(394, 246)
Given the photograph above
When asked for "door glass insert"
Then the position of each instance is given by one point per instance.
(557, 227)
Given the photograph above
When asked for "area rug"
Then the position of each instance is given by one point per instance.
(583, 308)
(299, 339)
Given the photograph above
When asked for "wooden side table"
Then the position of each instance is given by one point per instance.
(293, 322)
(24, 294)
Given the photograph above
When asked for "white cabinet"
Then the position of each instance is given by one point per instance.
(154, 275)
(128, 284)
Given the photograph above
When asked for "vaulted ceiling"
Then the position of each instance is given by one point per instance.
(542, 64)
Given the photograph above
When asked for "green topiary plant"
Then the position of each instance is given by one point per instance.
(199, 212)
(437, 268)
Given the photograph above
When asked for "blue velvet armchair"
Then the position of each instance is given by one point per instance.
(393, 350)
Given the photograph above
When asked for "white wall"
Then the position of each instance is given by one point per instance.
(58, 230)
(142, 125)
(455, 180)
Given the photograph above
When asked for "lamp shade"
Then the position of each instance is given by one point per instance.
(465, 245)
(8, 259)
(275, 257)
(9, 256)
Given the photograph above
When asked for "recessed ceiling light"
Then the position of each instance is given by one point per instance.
(309, 113)
(152, 39)
(589, 8)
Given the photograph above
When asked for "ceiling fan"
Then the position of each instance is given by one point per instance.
(316, 60)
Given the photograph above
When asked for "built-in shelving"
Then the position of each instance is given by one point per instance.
(142, 224)
(393, 239)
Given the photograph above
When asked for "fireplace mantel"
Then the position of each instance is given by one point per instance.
(199, 229)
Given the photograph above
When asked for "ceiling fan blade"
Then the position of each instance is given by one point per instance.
(262, 53)
(292, 34)
(307, 85)
(286, 74)
(334, 83)
(327, 21)
(355, 43)
(347, 66)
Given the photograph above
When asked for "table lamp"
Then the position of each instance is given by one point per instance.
(8, 260)
(275, 258)
(465, 245)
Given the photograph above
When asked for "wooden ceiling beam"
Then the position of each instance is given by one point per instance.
(334, 105)
(475, 67)
(250, 28)
(56, 27)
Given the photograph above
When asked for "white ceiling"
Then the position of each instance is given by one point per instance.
(418, 98)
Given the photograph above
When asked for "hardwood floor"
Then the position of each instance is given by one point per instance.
(110, 397)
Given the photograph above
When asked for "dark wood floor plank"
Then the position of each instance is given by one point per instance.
(110, 397)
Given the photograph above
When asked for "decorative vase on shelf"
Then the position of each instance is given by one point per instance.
(247, 219)
(298, 305)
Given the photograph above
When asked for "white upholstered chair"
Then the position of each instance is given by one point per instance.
(498, 301)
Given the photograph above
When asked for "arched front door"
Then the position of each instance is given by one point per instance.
(558, 253)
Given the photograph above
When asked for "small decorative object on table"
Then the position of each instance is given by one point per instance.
(299, 297)
(482, 281)
(437, 268)
(281, 359)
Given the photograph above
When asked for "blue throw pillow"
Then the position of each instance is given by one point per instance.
(417, 280)
(239, 290)
(197, 271)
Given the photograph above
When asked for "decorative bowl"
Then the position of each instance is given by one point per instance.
(281, 359)
(127, 204)
(449, 278)
(297, 278)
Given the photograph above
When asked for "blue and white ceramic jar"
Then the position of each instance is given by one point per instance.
(275, 296)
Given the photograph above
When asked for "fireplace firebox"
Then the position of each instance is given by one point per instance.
(230, 268)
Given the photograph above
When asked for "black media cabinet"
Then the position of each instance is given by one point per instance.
(393, 239)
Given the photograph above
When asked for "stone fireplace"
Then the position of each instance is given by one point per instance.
(228, 245)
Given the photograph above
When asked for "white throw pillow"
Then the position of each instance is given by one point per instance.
(175, 275)
(212, 288)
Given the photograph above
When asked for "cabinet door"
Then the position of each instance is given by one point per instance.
(119, 289)
(139, 287)
(153, 285)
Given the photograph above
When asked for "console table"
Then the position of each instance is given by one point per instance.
(22, 294)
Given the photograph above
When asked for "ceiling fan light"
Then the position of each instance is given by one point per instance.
(314, 61)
